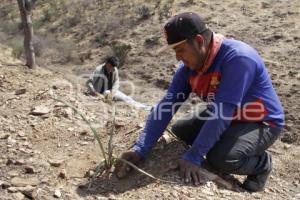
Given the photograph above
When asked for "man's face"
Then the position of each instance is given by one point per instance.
(109, 67)
(191, 54)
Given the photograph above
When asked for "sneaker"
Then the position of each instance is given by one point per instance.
(256, 183)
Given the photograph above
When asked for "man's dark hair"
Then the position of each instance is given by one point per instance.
(114, 61)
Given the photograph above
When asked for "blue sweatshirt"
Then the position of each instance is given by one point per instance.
(241, 89)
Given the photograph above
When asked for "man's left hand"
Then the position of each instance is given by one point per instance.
(189, 172)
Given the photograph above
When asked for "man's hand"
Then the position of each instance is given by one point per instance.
(121, 168)
(108, 95)
(189, 172)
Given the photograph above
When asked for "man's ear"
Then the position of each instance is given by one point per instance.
(200, 40)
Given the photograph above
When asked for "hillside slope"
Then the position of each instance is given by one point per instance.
(72, 38)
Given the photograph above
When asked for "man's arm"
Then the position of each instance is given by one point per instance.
(163, 112)
(93, 78)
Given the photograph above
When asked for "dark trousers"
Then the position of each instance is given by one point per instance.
(241, 148)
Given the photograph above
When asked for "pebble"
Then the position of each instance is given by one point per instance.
(20, 91)
(4, 136)
(29, 170)
(57, 193)
(11, 142)
(19, 162)
(9, 161)
(68, 113)
(55, 163)
(4, 184)
(62, 174)
(89, 173)
(83, 143)
(21, 134)
(40, 110)
(83, 132)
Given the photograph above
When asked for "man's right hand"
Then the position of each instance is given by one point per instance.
(121, 168)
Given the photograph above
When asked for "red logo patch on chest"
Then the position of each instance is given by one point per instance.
(204, 85)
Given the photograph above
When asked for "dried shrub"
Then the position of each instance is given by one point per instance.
(165, 12)
(11, 28)
(120, 51)
(39, 44)
(101, 41)
(65, 51)
(144, 12)
(17, 47)
(151, 41)
(72, 21)
(7, 9)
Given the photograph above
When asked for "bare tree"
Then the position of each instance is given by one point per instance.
(25, 8)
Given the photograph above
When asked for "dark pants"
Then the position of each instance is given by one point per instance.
(241, 148)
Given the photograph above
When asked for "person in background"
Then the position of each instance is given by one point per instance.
(105, 81)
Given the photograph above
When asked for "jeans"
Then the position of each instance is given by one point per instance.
(241, 149)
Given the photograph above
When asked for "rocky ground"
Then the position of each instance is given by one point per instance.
(48, 152)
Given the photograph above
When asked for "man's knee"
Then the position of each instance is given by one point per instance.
(223, 162)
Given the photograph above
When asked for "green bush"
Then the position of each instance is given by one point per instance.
(120, 51)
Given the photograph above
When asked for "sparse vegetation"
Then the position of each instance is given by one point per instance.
(165, 12)
(144, 12)
(109, 159)
(39, 46)
(11, 28)
(72, 20)
(151, 41)
(100, 40)
(17, 50)
(7, 10)
(65, 51)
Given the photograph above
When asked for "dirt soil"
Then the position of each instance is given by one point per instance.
(47, 150)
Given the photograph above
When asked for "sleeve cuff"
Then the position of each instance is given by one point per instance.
(194, 157)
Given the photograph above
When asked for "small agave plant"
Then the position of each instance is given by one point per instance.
(108, 157)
